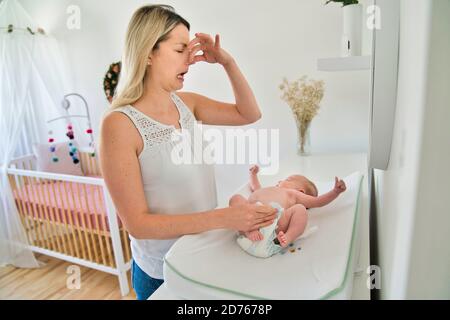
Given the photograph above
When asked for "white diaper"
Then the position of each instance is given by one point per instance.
(266, 247)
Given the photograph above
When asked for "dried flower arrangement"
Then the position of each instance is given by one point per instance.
(303, 97)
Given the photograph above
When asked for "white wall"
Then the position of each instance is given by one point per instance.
(269, 40)
(412, 195)
(429, 274)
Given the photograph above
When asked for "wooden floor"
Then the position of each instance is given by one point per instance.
(49, 283)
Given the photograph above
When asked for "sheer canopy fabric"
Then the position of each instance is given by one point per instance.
(33, 81)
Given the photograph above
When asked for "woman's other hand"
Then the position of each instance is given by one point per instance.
(249, 217)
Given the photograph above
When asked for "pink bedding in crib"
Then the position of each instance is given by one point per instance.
(80, 204)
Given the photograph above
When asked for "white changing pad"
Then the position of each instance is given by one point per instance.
(211, 265)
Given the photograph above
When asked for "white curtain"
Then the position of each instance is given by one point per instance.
(33, 81)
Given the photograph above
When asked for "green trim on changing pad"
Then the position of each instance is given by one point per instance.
(211, 286)
(350, 256)
(324, 297)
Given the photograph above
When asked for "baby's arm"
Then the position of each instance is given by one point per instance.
(254, 181)
(322, 200)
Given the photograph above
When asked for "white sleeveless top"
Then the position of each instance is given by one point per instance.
(169, 188)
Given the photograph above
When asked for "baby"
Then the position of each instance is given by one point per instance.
(295, 194)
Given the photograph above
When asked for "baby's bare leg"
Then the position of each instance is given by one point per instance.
(254, 235)
(237, 200)
(298, 218)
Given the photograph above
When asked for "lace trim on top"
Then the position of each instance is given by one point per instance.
(153, 132)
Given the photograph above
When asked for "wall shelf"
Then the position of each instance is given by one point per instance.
(345, 63)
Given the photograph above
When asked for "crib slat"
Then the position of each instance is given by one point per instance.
(89, 222)
(53, 216)
(45, 222)
(32, 164)
(84, 166)
(95, 166)
(52, 220)
(69, 216)
(21, 208)
(12, 183)
(26, 208)
(89, 164)
(27, 214)
(31, 209)
(84, 217)
(99, 231)
(108, 235)
(79, 227)
(49, 212)
(92, 165)
(126, 244)
(65, 214)
(58, 218)
(42, 213)
(83, 222)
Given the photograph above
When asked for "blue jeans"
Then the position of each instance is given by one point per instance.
(143, 284)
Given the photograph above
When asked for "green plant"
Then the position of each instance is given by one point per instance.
(344, 2)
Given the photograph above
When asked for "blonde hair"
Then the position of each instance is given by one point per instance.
(149, 26)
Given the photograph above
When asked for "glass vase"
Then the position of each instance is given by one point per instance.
(304, 138)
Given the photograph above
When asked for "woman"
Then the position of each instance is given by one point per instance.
(157, 200)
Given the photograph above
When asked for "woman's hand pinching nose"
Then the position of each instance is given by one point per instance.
(212, 51)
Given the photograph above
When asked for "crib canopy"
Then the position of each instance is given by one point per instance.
(33, 81)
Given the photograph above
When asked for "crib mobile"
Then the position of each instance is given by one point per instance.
(70, 134)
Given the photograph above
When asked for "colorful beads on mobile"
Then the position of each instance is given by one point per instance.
(52, 147)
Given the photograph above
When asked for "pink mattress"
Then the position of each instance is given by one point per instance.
(59, 206)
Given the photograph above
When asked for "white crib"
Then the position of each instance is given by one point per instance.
(71, 217)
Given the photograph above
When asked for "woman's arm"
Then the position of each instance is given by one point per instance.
(121, 171)
(246, 103)
(245, 110)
